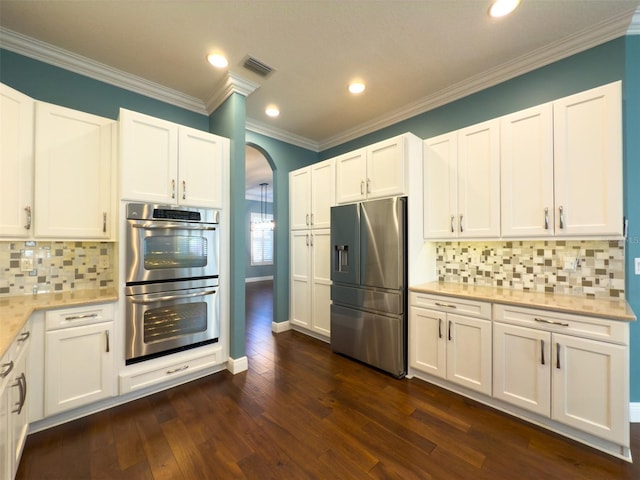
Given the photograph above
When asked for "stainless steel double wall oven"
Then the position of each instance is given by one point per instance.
(172, 279)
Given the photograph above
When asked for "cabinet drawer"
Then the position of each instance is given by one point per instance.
(577, 325)
(461, 306)
(138, 379)
(73, 317)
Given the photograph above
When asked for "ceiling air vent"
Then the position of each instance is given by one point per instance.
(256, 66)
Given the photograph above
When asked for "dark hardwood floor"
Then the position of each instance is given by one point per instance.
(301, 412)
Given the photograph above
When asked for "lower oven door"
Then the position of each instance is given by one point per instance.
(164, 322)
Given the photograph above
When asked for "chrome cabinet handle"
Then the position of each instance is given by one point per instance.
(23, 336)
(29, 217)
(312, 219)
(311, 238)
(447, 305)
(21, 383)
(80, 317)
(461, 226)
(550, 322)
(184, 189)
(561, 209)
(148, 299)
(8, 368)
(104, 222)
(449, 333)
(307, 239)
(362, 187)
(546, 218)
(439, 328)
(307, 219)
(558, 356)
(106, 334)
(542, 351)
(179, 369)
(368, 185)
(452, 227)
(173, 188)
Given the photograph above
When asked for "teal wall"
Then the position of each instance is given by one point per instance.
(253, 271)
(631, 111)
(283, 157)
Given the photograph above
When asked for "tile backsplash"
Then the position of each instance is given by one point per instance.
(542, 266)
(55, 266)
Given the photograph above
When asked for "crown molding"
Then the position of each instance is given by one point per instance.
(233, 83)
(282, 135)
(634, 26)
(58, 57)
(571, 45)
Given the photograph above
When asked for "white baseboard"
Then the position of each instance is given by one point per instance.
(238, 365)
(634, 412)
(279, 327)
(258, 279)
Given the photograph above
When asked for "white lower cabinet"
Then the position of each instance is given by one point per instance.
(310, 291)
(454, 347)
(79, 357)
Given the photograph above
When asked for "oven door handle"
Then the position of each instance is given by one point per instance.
(167, 298)
(170, 226)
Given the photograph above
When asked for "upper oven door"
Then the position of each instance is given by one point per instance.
(170, 250)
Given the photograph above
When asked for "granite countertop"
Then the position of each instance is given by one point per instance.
(16, 310)
(610, 308)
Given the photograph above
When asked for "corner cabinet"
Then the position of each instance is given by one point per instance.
(85, 333)
(74, 177)
(377, 171)
(461, 191)
(16, 163)
(163, 162)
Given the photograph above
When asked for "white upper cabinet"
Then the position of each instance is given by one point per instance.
(377, 171)
(461, 185)
(526, 169)
(162, 162)
(16, 163)
(588, 162)
(311, 196)
(73, 181)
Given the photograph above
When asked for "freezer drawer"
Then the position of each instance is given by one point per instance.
(382, 301)
(377, 340)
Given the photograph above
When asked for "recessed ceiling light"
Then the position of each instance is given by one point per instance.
(356, 87)
(500, 8)
(217, 60)
(272, 111)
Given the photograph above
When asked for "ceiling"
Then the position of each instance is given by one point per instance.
(413, 55)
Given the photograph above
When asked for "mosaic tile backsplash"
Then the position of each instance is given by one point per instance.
(55, 266)
(541, 266)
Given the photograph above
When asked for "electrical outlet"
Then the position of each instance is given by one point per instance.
(637, 265)
(27, 261)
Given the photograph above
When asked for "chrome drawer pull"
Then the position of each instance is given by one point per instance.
(169, 372)
(80, 317)
(447, 305)
(550, 322)
(9, 367)
(24, 336)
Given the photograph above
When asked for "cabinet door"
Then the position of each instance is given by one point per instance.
(148, 158)
(16, 162)
(18, 415)
(300, 199)
(588, 162)
(73, 173)
(321, 282)
(479, 180)
(323, 193)
(522, 367)
(590, 387)
(440, 186)
(469, 352)
(526, 173)
(79, 366)
(200, 156)
(351, 176)
(300, 292)
(427, 341)
(386, 168)
(5, 439)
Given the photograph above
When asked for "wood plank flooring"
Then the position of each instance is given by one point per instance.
(301, 412)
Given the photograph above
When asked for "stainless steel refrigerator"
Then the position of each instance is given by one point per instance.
(368, 271)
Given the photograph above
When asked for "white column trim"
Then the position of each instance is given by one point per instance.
(237, 365)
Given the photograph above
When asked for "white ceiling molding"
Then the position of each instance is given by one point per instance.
(634, 27)
(58, 57)
(599, 34)
(282, 135)
(234, 83)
